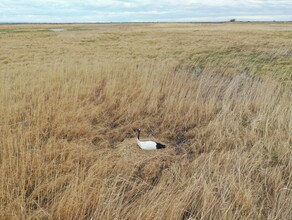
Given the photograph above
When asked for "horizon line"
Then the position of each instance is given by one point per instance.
(127, 22)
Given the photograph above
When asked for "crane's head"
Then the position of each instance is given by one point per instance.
(137, 130)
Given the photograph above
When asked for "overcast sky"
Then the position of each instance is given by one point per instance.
(143, 10)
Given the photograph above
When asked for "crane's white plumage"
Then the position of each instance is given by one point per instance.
(148, 145)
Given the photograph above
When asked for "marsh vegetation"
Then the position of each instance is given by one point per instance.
(219, 96)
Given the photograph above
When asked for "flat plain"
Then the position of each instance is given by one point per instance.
(217, 94)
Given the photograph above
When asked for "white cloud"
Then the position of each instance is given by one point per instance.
(146, 10)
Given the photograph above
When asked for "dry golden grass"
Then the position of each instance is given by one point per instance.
(218, 96)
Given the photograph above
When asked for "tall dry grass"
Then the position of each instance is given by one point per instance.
(68, 149)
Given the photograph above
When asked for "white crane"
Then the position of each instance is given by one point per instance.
(148, 145)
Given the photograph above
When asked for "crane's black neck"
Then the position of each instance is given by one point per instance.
(138, 134)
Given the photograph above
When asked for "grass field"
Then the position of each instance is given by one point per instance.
(218, 95)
